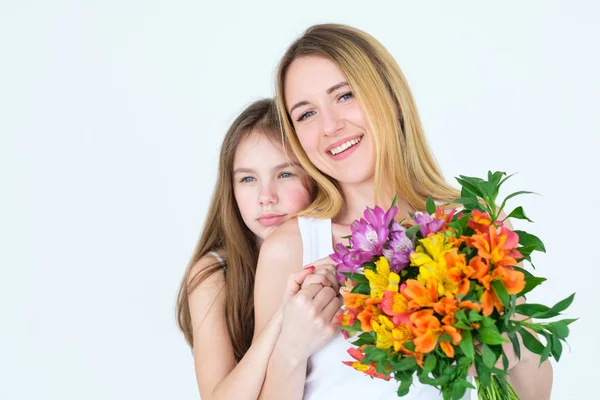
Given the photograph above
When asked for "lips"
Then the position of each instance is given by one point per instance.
(351, 143)
(271, 219)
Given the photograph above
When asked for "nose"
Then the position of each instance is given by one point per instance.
(268, 194)
(332, 123)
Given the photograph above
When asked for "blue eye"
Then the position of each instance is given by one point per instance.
(305, 115)
(247, 179)
(286, 175)
(346, 96)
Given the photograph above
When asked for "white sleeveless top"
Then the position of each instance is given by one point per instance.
(327, 377)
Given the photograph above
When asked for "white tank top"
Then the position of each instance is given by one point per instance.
(327, 377)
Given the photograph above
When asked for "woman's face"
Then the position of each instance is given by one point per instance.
(268, 187)
(328, 121)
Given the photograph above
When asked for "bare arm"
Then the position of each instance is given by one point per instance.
(307, 316)
(530, 380)
(217, 374)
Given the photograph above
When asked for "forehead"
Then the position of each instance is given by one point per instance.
(256, 151)
(310, 76)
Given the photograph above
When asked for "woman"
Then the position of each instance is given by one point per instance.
(353, 125)
(258, 188)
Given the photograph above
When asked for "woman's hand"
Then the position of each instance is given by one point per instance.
(308, 321)
(324, 274)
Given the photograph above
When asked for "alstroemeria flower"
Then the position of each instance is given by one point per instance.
(428, 329)
(498, 245)
(399, 248)
(348, 260)
(367, 369)
(428, 225)
(381, 280)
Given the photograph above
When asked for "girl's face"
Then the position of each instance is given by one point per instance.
(269, 188)
(328, 121)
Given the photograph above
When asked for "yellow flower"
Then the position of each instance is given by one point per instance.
(382, 279)
(432, 263)
(383, 330)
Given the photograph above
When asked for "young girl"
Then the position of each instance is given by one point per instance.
(353, 125)
(258, 188)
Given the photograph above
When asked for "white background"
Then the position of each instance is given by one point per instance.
(111, 116)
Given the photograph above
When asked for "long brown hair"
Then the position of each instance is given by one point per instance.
(225, 231)
(404, 165)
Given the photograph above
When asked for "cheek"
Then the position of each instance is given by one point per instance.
(296, 197)
(243, 198)
(308, 140)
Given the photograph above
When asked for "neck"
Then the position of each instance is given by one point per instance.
(359, 196)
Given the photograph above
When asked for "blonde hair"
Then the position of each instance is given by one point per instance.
(405, 164)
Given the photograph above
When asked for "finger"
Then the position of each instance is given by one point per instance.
(323, 262)
(323, 298)
(316, 279)
(295, 280)
(332, 309)
(331, 277)
(311, 291)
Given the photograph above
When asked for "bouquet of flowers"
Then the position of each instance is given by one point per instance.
(433, 296)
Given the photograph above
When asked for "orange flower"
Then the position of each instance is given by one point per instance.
(396, 306)
(355, 301)
(480, 221)
(514, 281)
(427, 331)
(367, 369)
(497, 245)
(459, 271)
(366, 316)
(400, 335)
(419, 295)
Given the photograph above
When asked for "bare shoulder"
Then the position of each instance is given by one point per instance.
(284, 244)
(202, 269)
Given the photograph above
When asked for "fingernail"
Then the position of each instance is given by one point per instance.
(311, 267)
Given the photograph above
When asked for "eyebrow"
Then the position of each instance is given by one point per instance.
(329, 91)
(277, 167)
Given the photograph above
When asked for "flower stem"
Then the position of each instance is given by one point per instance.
(498, 389)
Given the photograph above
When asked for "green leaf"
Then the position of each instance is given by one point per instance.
(531, 342)
(518, 213)
(527, 239)
(410, 232)
(394, 201)
(490, 336)
(429, 365)
(563, 304)
(430, 206)
(515, 343)
(470, 185)
(404, 364)
(501, 292)
(466, 345)
(356, 277)
(488, 356)
(467, 201)
(556, 348)
(510, 196)
(458, 391)
(362, 288)
(559, 329)
(405, 384)
(530, 284)
(531, 309)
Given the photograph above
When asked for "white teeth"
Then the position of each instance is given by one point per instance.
(345, 146)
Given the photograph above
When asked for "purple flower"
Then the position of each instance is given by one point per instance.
(399, 248)
(379, 218)
(427, 224)
(348, 260)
